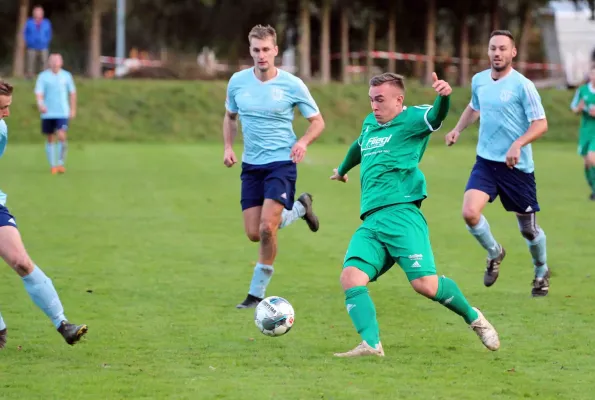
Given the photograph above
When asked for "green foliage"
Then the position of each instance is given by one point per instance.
(184, 111)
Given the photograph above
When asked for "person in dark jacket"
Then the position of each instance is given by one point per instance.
(38, 35)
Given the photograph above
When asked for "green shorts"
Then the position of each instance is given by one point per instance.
(395, 234)
(586, 145)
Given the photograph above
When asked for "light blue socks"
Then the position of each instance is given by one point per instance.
(289, 216)
(539, 254)
(260, 280)
(484, 236)
(50, 151)
(2, 324)
(42, 292)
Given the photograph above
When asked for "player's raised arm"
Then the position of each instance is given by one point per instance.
(439, 111)
(352, 159)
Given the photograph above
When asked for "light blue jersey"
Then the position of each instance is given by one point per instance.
(56, 89)
(266, 111)
(507, 108)
(3, 142)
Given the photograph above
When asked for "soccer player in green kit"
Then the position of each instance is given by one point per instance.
(584, 103)
(391, 144)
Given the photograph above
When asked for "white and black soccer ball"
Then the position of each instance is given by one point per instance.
(274, 316)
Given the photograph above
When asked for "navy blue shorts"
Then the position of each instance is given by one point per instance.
(517, 189)
(6, 219)
(275, 181)
(52, 125)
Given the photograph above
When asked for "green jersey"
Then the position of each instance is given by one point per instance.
(587, 94)
(389, 155)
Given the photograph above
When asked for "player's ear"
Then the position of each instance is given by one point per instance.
(514, 52)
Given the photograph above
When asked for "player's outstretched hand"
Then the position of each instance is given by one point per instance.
(298, 152)
(452, 137)
(337, 177)
(441, 87)
(229, 158)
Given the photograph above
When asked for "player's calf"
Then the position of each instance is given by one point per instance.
(536, 241)
(3, 338)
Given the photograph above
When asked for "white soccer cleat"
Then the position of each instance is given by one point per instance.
(363, 349)
(486, 332)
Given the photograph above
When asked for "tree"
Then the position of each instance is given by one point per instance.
(18, 66)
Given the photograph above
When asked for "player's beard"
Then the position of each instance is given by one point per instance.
(502, 67)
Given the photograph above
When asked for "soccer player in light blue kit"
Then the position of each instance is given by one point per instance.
(56, 100)
(264, 97)
(512, 117)
(38, 285)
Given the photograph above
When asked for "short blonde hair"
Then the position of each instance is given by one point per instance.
(262, 32)
(388, 77)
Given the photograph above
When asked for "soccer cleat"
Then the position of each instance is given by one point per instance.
(493, 268)
(363, 349)
(54, 170)
(3, 338)
(486, 332)
(249, 302)
(592, 197)
(61, 169)
(310, 218)
(541, 286)
(72, 333)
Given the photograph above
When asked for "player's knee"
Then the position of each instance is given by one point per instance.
(471, 214)
(426, 286)
(528, 226)
(21, 263)
(352, 277)
(253, 234)
(266, 231)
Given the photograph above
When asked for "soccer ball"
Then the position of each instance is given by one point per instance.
(274, 316)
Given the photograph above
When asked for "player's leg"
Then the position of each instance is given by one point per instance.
(286, 172)
(366, 259)
(590, 168)
(62, 144)
(518, 193)
(482, 188)
(38, 285)
(405, 233)
(48, 129)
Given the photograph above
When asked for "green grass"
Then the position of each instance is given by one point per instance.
(145, 244)
(174, 111)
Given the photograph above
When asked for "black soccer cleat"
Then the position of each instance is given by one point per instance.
(3, 338)
(249, 302)
(310, 218)
(72, 333)
(592, 197)
(541, 286)
(493, 268)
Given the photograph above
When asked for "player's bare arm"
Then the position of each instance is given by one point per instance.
(72, 105)
(41, 103)
(468, 117)
(536, 130)
(230, 130)
(312, 133)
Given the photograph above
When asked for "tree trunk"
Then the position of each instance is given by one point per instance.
(430, 40)
(18, 64)
(523, 51)
(325, 43)
(464, 49)
(495, 23)
(93, 63)
(344, 44)
(305, 66)
(392, 33)
(371, 44)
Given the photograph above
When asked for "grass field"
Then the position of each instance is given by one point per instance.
(145, 244)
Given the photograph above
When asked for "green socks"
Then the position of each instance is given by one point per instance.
(590, 176)
(451, 297)
(363, 314)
